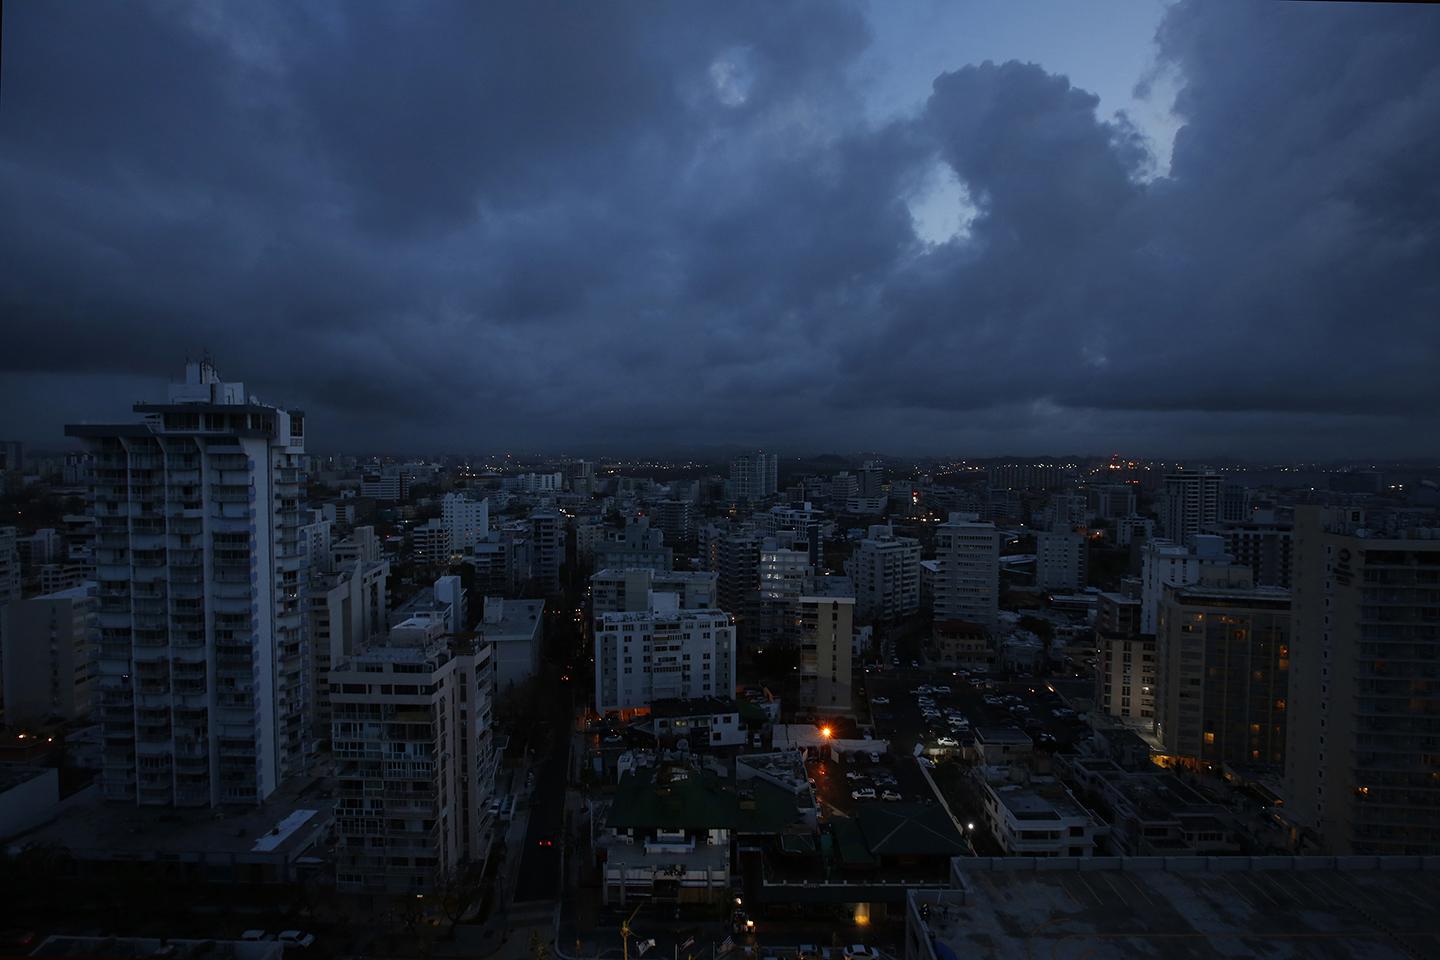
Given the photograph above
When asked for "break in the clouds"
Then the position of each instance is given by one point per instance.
(627, 225)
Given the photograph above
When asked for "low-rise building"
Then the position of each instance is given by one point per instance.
(666, 837)
(707, 723)
(1038, 819)
(1152, 812)
(961, 643)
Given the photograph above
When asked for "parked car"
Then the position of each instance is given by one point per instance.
(874, 756)
(296, 938)
(948, 742)
(864, 793)
(854, 775)
(858, 951)
(879, 701)
(253, 935)
(942, 688)
(890, 795)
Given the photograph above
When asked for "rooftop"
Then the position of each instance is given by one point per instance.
(1188, 908)
(283, 827)
(910, 830)
(697, 707)
(1039, 801)
(519, 618)
(673, 796)
(1012, 735)
(133, 948)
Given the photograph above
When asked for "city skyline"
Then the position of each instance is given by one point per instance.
(1196, 230)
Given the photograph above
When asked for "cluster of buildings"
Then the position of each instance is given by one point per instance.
(316, 651)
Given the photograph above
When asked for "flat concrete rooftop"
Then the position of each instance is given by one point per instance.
(282, 828)
(1179, 908)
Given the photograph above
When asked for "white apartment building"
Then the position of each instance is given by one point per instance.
(784, 565)
(202, 667)
(1060, 560)
(967, 586)
(547, 537)
(1263, 543)
(344, 610)
(826, 609)
(1164, 562)
(1132, 528)
(362, 544)
(466, 521)
(615, 591)
(636, 546)
(414, 760)
(534, 482)
(515, 628)
(47, 645)
(430, 542)
(391, 486)
(1189, 503)
(783, 569)
(663, 653)
(886, 572)
(753, 476)
(1111, 501)
(1038, 819)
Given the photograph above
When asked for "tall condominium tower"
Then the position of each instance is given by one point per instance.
(1189, 503)
(886, 573)
(1362, 758)
(754, 476)
(1224, 649)
(967, 586)
(201, 673)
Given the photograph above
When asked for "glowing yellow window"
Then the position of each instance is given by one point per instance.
(1209, 736)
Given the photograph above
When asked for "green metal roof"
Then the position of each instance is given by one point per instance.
(698, 800)
(909, 830)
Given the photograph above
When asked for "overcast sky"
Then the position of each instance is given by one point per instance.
(923, 227)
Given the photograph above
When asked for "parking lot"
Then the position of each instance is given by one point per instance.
(898, 715)
(836, 781)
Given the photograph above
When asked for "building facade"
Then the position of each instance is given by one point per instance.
(967, 585)
(754, 476)
(1363, 756)
(886, 572)
(663, 653)
(826, 608)
(1163, 562)
(414, 761)
(202, 665)
(1060, 560)
(48, 641)
(1189, 503)
(1224, 674)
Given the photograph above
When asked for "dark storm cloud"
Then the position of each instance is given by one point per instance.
(617, 224)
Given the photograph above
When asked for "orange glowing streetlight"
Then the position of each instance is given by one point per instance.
(826, 732)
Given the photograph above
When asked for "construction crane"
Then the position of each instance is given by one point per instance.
(625, 931)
